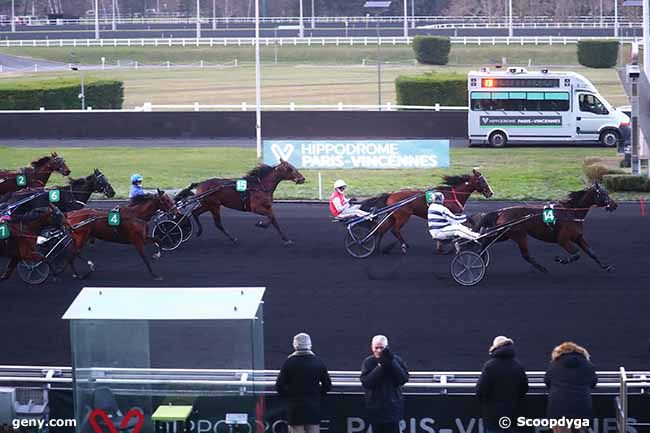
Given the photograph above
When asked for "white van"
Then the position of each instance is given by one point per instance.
(514, 105)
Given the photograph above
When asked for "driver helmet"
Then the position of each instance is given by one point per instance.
(136, 178)
(340, 184)
(438, 197)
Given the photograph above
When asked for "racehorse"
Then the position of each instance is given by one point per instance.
(73, 196)
(24, 230)
(36, 175)
(131, 230)
(258, 198)
(567, 231)
(456, 189)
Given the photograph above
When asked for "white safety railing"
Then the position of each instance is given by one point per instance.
(107, 19)
(308, 41)
(244, 106)
(432, 382)
(629, 381)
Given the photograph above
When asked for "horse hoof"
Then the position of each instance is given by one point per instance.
(609, 268)
(288, 243)
(234, 240)
(156, 256)
(157, 277)
(561, 260)
(404, 249)
(261, 225)
(91, 265)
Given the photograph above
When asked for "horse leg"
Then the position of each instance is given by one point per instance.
(11, 266)
(399, 223)
(587, 249)
(522, 242)
(263, 224)
(267, 211)
(195, 215)
(216, 216)
(138, 243)
(388, 225)
(571, 249)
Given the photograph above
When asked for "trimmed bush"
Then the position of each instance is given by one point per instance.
(431, 88)
(626, 182)
(60, 94)
(598, 53)
(432, 50)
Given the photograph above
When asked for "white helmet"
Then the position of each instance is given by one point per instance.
(340, 184)
(438, 197)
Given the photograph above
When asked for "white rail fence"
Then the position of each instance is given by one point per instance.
(310, 41)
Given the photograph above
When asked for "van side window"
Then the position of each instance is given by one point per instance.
(591, 104)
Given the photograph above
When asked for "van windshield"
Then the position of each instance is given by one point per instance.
(590, 104)
(520, 101)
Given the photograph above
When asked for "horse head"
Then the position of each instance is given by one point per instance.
(57, 164)
(165, 202)
(480, 184)
(102, 184)
(600, 198)
(286, 171)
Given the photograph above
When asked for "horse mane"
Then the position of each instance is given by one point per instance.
(40, 162)
(75, 182)
(573, 197)
(453, 180)
(141, 199)
(261, 171)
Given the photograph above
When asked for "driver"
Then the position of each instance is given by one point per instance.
(443, 224)
(340, 207)
(136, 186)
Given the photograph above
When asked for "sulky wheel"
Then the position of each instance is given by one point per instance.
(357, 242)
(168, 235)
(33, 272)
(186, 226)
(467, 268)
(476, 248)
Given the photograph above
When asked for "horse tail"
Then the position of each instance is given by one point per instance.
(486, 220)
(186, 192)
(375, 202)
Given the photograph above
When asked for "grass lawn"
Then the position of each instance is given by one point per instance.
(304, 75)
(516, 174)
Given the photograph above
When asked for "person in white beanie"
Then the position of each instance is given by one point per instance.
(502, 386)
(302, 381)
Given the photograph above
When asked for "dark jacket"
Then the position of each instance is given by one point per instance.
(384, 400)
(302, 381)
(502, 387)
(569, 379)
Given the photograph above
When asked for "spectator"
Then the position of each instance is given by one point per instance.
(302, 381)
(382, 376)
(502, 386)
(570, 378)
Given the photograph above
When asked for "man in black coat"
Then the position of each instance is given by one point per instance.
(302, 381)
(502, 386)
(382, 376)
(570, 378)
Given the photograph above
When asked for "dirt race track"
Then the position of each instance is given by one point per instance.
(315, 287)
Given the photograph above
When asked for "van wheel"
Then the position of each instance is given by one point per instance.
(609, 138)
(497, 139)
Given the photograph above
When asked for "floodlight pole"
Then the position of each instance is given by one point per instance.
(96, 19)
(13, 16)
(258, 90)
(646, 40)
(412, 14)
(302, 22)
(113, 22)
(214, 14)
(616, 18)
(378, 67)
(510, 31)
(313, 16)
(198, 19)
(406, 18)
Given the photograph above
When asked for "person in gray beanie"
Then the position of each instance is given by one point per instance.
(302, 381)
(502, 386)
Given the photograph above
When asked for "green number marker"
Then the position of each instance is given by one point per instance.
(428, 195)
(54, 196)
(114, 218)
(548, 216)
(21, 180)
(4, 231)
(242, 185)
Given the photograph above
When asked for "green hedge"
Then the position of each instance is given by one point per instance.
(432, 50)
(60, 94)
(598, 53)
(626, 182)
(431, 88)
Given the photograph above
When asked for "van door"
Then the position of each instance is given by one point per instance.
(591, 114)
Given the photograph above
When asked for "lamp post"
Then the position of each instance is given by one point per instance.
(13, 16)
(406, 18)
(113, 22)
(198, 19)
(301, 33)
(313, 16)
(214, 15)
(258, 81)
(82, 95)
(378, 7)
(96, 19)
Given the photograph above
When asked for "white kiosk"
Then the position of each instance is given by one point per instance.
(137, 349)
